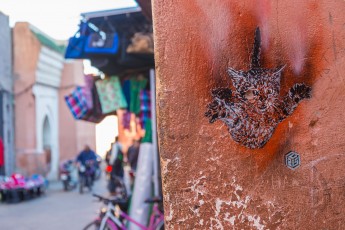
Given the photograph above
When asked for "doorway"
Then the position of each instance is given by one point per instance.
(47, 144)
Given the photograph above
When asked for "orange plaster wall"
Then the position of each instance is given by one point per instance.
(26, 50)
(210, 181)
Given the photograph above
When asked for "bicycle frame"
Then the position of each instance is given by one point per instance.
(156, 217)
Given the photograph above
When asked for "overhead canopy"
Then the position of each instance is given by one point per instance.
(146, 8)
(126, 22)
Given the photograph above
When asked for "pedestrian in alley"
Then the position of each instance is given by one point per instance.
(132, 154)
(114, 158)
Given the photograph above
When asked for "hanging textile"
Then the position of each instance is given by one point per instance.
(127, 90)
(95, 112)
(76, 102)
(136, 85)
(145, 106)
(84, 103)
(126, 120)
(89, 82)
(110, 95)
(148, 132)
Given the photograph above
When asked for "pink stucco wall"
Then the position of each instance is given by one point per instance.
(73, 135)
(26, 50)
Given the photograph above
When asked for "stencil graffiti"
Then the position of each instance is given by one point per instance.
(292, 160)
(254, 108)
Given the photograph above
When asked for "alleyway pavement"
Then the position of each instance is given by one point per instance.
(56, 210)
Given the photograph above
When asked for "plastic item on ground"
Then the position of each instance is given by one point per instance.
(18, 188)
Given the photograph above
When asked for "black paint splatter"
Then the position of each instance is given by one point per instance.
(255, 108)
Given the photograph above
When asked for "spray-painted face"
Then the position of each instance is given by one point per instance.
(259, 87)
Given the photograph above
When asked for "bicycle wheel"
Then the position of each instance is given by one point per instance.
(160, 226)
(94, 225)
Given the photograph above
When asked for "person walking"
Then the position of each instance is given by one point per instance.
(132, 154)
(114, 158)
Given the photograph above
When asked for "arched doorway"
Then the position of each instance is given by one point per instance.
(47, 144)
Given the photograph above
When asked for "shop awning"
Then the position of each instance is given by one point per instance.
(127, 22)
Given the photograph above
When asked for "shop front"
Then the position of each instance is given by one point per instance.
(119, 43)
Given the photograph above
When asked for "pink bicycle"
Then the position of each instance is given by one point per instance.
(112, 217)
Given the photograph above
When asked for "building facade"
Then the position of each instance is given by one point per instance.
(6, 94)
(38, 69)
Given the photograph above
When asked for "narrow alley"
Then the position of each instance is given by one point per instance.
(54, 211)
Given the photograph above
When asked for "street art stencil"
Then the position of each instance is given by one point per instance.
(292, 160)
(254, 109)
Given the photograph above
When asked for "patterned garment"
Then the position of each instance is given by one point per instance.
(145, 106)
(136, 86)
(127, 91)
(126, 120)
(110, 95)
(148, 132)
(76, 102)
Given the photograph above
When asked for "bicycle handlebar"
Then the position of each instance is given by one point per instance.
(112, 200)
(154, 200)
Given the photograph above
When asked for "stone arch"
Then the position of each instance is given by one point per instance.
(47, 138)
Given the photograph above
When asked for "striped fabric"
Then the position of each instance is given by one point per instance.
(77, 103)
(145, 106)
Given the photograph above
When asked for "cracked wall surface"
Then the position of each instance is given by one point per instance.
(209, 180)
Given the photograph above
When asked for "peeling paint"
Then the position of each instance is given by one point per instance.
(201, 222)
(238, 209)
(171, 213)
(256, 222)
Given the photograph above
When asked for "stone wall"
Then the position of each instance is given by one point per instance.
(211, 181)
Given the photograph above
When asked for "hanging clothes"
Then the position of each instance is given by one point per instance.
(110, 95)
(136, 85)
(76, 103)
(145, 106)
(89, 82)
(126, 120)
(127, 90)
(148, 132)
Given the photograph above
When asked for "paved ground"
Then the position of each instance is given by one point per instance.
(57, 210)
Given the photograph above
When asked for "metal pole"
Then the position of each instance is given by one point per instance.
(154, 134)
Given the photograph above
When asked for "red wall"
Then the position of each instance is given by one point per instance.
(209, 180)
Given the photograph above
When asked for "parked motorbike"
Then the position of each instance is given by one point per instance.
(86, 175)
(66, 175)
